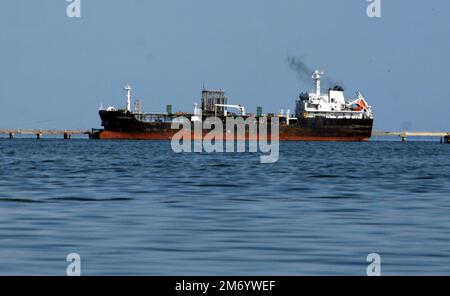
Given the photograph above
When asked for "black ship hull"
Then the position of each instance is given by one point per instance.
(126, 125)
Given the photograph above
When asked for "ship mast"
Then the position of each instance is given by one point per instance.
(128, 89)
(316, 77)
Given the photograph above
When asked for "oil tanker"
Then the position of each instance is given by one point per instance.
(318, 117)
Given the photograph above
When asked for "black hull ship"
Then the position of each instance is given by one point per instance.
(318, 117)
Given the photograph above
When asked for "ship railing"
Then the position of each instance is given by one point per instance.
(340, 114)
(153, 117)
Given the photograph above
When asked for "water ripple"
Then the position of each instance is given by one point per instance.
(133, 207)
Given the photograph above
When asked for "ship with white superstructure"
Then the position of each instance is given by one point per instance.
(318, 116)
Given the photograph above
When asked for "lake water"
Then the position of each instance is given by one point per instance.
(138, 208)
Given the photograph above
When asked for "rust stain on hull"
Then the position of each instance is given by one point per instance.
(123, 126)
(115, 135)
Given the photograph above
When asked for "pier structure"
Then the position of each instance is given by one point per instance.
(444, 136)
(66, 134)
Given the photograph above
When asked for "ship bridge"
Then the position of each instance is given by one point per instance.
(332, 104)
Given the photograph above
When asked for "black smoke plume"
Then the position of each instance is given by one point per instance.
(301, 68)
(304, 72)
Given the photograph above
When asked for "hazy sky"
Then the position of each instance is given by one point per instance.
(55, 71)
